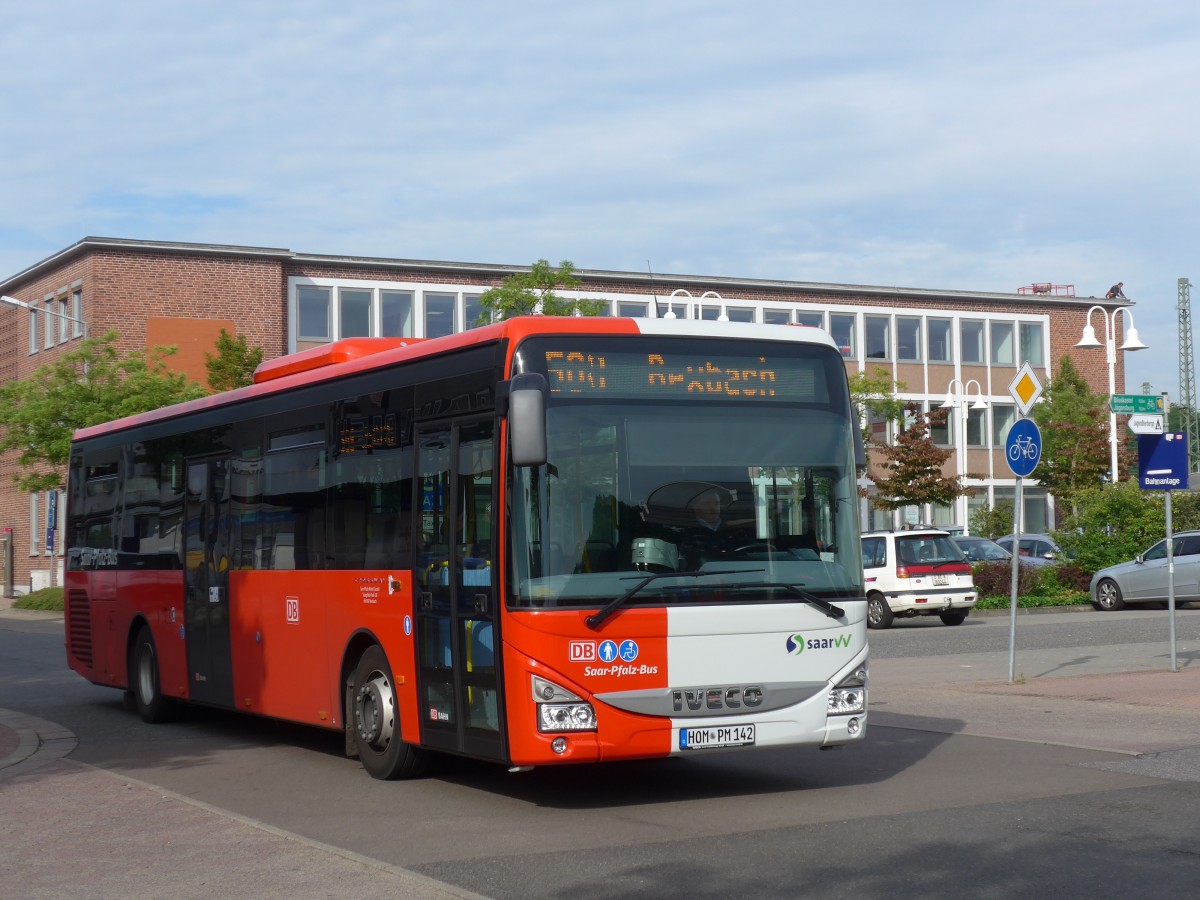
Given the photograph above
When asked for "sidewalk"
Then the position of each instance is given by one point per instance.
(62, 822)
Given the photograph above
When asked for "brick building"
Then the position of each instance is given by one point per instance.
(964, 345)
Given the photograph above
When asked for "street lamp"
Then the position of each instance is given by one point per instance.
(13, 301)
(963, 392)
(1132, 342)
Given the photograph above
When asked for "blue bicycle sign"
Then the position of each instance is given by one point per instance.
(1023, 447)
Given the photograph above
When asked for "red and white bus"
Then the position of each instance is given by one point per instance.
(487, 544)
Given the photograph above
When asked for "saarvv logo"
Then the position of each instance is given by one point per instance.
(797, 643)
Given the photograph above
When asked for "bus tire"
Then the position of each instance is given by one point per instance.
(145, 681)
(879, 614)
(374, 721)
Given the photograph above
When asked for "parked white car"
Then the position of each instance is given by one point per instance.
(916, 573)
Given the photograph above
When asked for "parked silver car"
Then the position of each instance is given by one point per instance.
(980, 549)
(1037, 549)
(1144, 578)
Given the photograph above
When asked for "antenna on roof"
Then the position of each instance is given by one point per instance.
(653, 292)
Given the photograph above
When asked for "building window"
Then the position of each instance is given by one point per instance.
(48, 324)
(313, 313)
(739, 313)
(971, 338)
(940, 349)
(1003, 352)
(908, 339)
(33, 328)
(878, 337)
(773, 316)
(841, 329)
(1032, 347)
(64, 318)
(1002, 420)
(439, 315)
(708, 312)
(34, 523)
(628, 309)
(879, 428)
(354, 312)
(976, 427)
(396, 314)
(942, 515)
(471, 311)
(939, 432)
(811, 319)
(77, 312)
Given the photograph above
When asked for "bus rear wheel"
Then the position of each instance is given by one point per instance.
(145, 682)
(374, 721)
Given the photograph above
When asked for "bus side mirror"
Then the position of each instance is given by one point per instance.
(527, 419)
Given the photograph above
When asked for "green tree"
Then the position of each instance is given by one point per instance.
(1113, 523)
(1075, 441)
(87, 386)
(874, 393)
(534, 292)
(233, 365)
(993, 522)
(911, 471)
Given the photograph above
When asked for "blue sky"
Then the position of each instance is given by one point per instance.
(922, 144)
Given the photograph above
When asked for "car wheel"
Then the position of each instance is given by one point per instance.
(954, 616)
(879, 614)
(1108, 596)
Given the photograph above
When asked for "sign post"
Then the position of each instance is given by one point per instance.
(1022, 450)
(1163, 466)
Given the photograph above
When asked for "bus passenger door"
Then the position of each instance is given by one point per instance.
(458, 646)
(206, 581)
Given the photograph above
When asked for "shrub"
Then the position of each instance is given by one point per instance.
(46, 599)
(995, 579)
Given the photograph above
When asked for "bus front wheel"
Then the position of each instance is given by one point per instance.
(145, 683)
(373, 720)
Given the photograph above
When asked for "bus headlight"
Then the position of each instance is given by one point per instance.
(560, 709)
(849, 696)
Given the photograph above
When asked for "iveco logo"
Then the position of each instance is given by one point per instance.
(717, 697)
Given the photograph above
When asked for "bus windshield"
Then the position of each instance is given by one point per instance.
(724, 495)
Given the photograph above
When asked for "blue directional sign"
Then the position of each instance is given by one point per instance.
(1163, 461)
(1023, 448)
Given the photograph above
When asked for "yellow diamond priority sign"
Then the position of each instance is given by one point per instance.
(1025, 388)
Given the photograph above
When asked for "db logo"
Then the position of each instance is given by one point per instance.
(293, 610)
(582, 651)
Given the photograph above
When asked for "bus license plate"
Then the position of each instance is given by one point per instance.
(941, 579)
(713, 738)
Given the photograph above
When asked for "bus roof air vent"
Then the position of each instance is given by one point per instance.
(345, 350)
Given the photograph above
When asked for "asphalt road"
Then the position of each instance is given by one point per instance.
(968, 786)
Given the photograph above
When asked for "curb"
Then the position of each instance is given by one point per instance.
(38, 742)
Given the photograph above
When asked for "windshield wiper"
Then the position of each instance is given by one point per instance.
(595, 619)
(834, 612)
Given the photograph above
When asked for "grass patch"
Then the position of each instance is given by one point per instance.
(1029, 601)
(50, 599)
